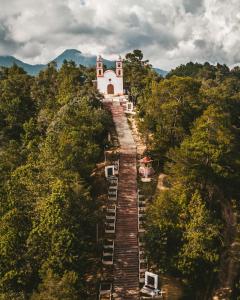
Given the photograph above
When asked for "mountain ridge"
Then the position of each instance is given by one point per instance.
(69, 54)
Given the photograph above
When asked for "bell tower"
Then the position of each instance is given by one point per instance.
(99, 67)
(119, 67)
(110, 82)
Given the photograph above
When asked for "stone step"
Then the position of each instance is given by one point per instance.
(126, 261)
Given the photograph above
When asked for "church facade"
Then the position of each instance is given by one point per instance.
(110, 82)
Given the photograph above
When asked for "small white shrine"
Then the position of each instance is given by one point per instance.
(150, 287)
(110, 82)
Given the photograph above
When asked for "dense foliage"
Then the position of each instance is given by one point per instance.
(52, 133)
(138, 74)
(190, 121)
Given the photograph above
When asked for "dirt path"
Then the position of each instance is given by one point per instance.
(141, 146)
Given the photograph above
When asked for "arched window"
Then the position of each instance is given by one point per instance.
(99, 72)
(99, 65)
(119, 72)
(119, 65)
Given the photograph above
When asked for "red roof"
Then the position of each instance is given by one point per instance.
(145, 160)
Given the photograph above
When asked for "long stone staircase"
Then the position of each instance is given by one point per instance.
(126, 260)
(126, 250)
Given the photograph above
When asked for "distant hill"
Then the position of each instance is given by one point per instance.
(161, 72)
(8, 61)
(69, 54)
(80, 59)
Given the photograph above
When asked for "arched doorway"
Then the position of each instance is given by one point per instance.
(110, 89)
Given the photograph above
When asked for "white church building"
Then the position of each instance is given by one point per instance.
(110, 82)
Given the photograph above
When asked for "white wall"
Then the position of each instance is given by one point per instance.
(117, 82)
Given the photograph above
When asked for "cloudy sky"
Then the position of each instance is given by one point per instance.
(169, 32)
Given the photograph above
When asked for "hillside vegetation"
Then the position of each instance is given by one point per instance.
(52, 133)
(191, 125)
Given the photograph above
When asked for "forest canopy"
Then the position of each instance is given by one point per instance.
(190, 122)
(52, 133)
(53, 130)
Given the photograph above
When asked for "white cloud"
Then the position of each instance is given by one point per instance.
(169, 32)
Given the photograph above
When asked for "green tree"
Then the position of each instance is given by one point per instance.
(169, 111)
(210, 154)
(200, 239)
(58, 288)
(16, 105)
(163, 238)
(138, 74)
(70, 79)
(62, 234)
(75, 138)
(203, 177)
